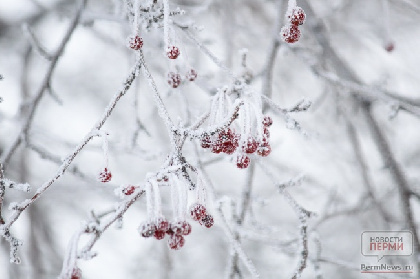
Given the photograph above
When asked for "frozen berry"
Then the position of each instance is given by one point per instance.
(290, 33)
(389, 47)
(207, 221)
(129, 190)
(197, 211)
(181, 227)
(267, 121)
(147, 229)
(162, 224)
(174, 79)
(165, 178)
(266, 132)
(264, 150)
(76, 273)
(159, 234)
(176, 241)
(242, 162)
(135, 42)
(251, 146)
(206, 141)
(105, 176)
(172, 52)
(297, 16)
(191, 75)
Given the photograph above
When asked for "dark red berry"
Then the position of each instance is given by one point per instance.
(181, 227)
(76, 273)
(191, 75)
(389, 46)
(105, 176)
(129, 190)
(162, 224)
(135, 42)
(197, 211)
(251, 146)
(176, 241)
(207, 221)
(174, 79)
(264, 150)
(267, 121)
(242, 162)
(290, 33)
(165, 178)
(206, 141)
(147, 229)
(172, 52)
(297, 16)
(159, 234)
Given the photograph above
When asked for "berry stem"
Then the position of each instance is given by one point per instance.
(149, 201)
(166, 23)
(158, 200)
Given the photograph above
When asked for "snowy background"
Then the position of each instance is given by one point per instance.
(347, 185)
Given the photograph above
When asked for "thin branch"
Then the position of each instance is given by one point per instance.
(6, 156)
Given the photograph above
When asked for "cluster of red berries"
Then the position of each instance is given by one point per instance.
(227, 142)
(199, 213)
(174, 79)
(135, 42)
(105, 175)
(291, 33)
(158, 229)
(172, 52)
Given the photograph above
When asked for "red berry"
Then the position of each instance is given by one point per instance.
(159, 234)
(172, 52)
(389, 47)
(197, 211)
(181, 228)
(165, 178)
(105, 176)
(129, 190)
(297, 16)
(207, 221)
(242, 162)
(206, 141)
(135, 42)
(76, 273)
(162, 224)
(191, 75)
(176, 241)
(251, 146)
(264, 150)
(147, 229)
(174, 79)
(267, 121)
(290, 33)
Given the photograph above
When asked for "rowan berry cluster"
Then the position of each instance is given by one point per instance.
(160, 227)
(174, 79)
(105, 175)
(290, 33)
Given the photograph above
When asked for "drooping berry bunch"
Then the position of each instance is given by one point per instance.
(135, 42)
(199, 213)
(295, 15)
(158, 227)
(225, 141)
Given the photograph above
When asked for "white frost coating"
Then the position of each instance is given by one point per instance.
(149, 200)
(166, 23)
(25, 187)
(105, 148)
(158, 201)
(174, 195)
(70, 259)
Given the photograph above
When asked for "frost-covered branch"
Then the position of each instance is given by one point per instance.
(6, 156)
